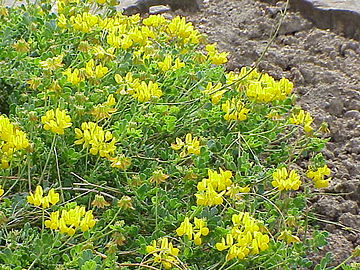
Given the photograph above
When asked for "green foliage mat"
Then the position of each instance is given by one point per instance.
(125, 144)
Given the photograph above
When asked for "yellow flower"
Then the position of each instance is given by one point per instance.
(3, 11)
(219, 181)
(179, 28)
(154, 20)
(1, 191)
(178, 145)
(71, 220)
(95, 72)
(99, 201)
(87, 221)
(99, 141)
(38, 199)
(166, 64)
(235, 191)
(214, 56)
(21, 46)
(287, 236)
(225, 243)
(125, 202)
(259, 242)
(200, 229)
(193, 231)
(121, 162)
(73, 77)
(264, 88)
(234, 110)
(163, 252)
(53, 222)
(158, 177)
(56, 121)
(12, 140)
(145, 92)
(62, 21)
(245, 238)
(302, 118)
(318, 176)
(101, 2)
(178, 64)
(191, 145)
(283, 180)
(104, 110)
(84, 22)
(54, 197)
(214, 92)
(52, 63)
(207, 196)
(34, 83)
(185, 228)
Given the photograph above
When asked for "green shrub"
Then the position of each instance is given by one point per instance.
(127, 144)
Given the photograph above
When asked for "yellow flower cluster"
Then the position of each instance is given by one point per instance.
(121, 162)
(95, 71)
(75, 76)
(214, 92)
(284, 180)
(154, 21)
(211, 189)
(167, 64)
(125, 35)
(267, 89)
(318, 176)
(287, 236)
(214, 56)
(193, 231)
(56, 121)
(164, 253)
(38, 198)
(242, 78)
(140, 90)
(84, 22)
(234, 109)
(190, 146)
(184, 31)
(302, 118)
(12, 140)
(71, 220)
(1, 191)
(21, 46)
(234, 191)
(52, 63)
(245, 238)
(104, 110)
(92, 136)
(146, 92)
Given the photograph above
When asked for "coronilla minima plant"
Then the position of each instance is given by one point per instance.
(128, 144)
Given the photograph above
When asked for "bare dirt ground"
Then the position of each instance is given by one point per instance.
(325, 68)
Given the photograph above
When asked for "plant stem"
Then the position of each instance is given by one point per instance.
(47, 160)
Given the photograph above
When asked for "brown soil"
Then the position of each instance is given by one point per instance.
(325, 68)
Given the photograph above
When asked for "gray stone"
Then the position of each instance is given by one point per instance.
(159, 9)
(143, 6)
(335, 107)
(353, 114)
(338, 15)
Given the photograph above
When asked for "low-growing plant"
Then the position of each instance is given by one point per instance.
(125, 144)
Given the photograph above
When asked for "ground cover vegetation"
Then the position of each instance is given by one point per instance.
(125, 144)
